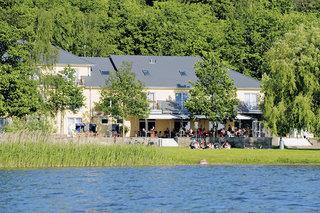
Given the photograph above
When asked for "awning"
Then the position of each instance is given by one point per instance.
(200, 117)
(163, 117)
(183, 117)
(243, 117)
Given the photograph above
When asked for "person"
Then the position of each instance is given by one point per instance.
(166, 133)
(229, 128)
(226, 145)
(144, 132)
(190, 133)
(210, 146)
(152, 132)
(194, 145)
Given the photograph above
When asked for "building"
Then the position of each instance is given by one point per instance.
(167, 81)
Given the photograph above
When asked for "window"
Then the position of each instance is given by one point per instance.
(152, 61)
(104, 72)
(251, 100)
(75, 124)
(104, 120)
(146, 72)
(151, 99)
(183, 73)
(181, 97)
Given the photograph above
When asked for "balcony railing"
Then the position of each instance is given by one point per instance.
(166, 107)
(250, 108)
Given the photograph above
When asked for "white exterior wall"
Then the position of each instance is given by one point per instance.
(92, 96)
(241, 93)
(83, 70)
(169, 93)
(165, 94)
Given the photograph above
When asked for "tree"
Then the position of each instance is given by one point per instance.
(61, 93)
(18, 88)
(292, 87)
(124, 96)
(213, 94)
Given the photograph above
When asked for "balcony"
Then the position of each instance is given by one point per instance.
(167, 107)
(245, 107)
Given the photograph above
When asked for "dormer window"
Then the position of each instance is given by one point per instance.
(104, 72)
(152, 61)
(146, 72)
(183, 73)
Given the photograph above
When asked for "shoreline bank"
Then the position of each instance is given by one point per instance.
(61, 155)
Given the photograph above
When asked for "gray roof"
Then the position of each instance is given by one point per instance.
(164, 70)
(65, 58)
(98, 76)
(242, 81)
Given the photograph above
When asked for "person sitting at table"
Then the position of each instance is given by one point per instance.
(166, 133)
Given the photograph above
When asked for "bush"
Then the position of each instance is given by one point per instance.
(30, 124)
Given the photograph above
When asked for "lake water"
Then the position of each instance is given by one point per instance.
(162, 189)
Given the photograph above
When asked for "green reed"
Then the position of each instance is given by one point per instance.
(43, 151)
(42, 154)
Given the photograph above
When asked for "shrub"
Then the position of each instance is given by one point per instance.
(30, 124)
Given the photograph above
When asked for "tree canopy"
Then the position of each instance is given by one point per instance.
(124, 95)
(60, 92)
(292, 87)
(245, 33)
(18, 88)
(213, 94)
(240, 30)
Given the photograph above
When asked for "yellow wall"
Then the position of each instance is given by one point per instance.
(81, 70)
(231, 123)
(134, 122)
(92, 96)
(162, 125)
(242, 92)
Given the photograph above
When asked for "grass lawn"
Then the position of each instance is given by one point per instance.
(44, 155)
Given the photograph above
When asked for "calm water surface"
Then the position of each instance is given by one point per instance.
(162, 189)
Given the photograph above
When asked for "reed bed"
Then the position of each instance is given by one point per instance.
(42, 154)
(245, 156)
(42, 151)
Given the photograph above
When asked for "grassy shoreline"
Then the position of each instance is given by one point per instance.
(54, 155)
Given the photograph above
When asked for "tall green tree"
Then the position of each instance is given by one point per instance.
(60, 93)
(213, 94)
(124, 95)
(292, 87)
(18, 87)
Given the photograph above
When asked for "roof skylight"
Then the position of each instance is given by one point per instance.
(183, 73)
(104, 72)
(146, 72)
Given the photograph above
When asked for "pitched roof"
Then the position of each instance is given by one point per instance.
(242, 81)
(152, 71)
(64, 57)
(174, 71)
(160, 71)
(100, 70)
